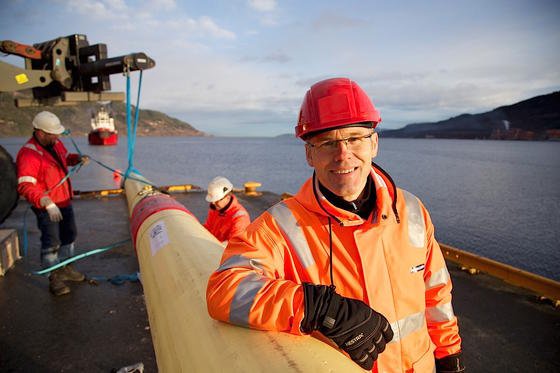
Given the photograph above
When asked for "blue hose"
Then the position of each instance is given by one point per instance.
(80, 256)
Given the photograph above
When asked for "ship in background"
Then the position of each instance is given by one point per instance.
(103, 130)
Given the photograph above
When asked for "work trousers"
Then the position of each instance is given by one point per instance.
(57, 238)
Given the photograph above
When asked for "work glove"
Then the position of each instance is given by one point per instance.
(84, 159)
(355, 327)
(54, 212)
(451, 364)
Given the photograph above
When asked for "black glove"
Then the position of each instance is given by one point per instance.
(451, 364)
(350, 323)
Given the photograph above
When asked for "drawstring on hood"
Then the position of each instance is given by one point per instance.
(394, 189)
(329, 216)
(330, 255)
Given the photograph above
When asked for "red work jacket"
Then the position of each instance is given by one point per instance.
(38, 173)
(226, 224)
(391, 261)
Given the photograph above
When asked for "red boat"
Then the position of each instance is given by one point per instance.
(103, 130)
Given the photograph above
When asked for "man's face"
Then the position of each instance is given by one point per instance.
(343, 167)
(220, 204)
(46, 139)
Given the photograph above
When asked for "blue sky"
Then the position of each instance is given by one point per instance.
(241, 67)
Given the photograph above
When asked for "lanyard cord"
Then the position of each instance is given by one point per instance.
(74, 143)
(131, 129)
(329, 216)
(72, 171)
(331, 254)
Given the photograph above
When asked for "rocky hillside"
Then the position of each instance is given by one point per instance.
(537, 118)
(16, 121)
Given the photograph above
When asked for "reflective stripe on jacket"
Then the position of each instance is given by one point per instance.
(38, 172)
(395, 267)
(232, 222)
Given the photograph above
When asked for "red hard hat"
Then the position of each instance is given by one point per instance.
(333, 103)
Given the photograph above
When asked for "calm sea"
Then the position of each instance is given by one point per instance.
(498, 199)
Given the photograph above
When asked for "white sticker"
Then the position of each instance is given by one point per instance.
(158, 237)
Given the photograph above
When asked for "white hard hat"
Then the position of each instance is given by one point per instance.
(48, 122)
(218, 188)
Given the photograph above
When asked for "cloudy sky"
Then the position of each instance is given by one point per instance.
(241, 67)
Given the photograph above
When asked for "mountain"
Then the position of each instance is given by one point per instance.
(16, 121)
(537, 118)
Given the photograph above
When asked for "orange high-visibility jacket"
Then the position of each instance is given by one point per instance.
(226, 224)
(392, 262)
(38, 172)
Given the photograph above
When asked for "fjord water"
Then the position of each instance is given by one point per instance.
(498, 199)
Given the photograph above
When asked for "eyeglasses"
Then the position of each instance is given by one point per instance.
(354, 143)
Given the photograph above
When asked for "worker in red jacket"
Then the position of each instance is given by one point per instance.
(351, 257)
(41, 169)
(226, 216)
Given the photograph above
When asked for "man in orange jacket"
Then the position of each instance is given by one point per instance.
(41, 168)
(350, 257)
(226, 216)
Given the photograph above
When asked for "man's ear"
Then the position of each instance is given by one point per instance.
(374, 144)
(40, 135)
(308, 155)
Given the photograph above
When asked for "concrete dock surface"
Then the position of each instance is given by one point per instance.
(101, 326)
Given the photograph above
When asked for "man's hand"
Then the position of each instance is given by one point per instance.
(350, 323)
(54, 212)
(84, 159)
(451, 364)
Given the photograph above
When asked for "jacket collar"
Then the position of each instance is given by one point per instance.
(363, 205)
(52, 152)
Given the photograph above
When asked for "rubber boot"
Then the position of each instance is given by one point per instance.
(68, 273)
(57, 285)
